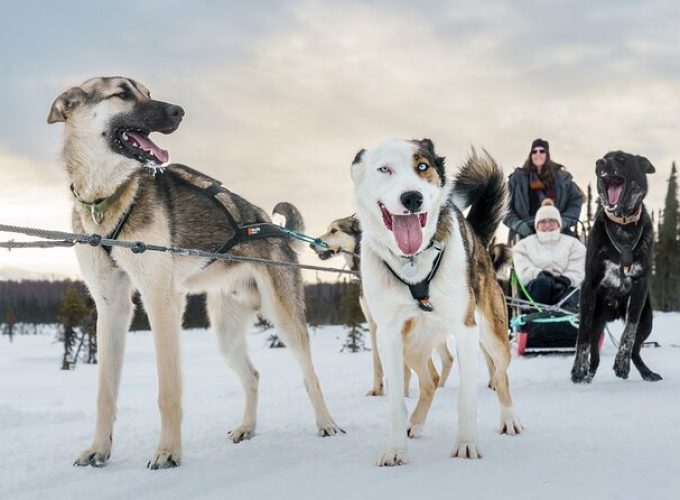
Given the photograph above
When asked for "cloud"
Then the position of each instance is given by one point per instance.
(279, 100)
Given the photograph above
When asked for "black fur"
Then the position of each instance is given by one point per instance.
(608, 291)
(482, 187)
(426, 149)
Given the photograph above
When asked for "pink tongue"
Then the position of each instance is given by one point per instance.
(146, 144)
(407, 233)
(614, 193)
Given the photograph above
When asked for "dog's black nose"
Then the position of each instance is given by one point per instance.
(412, 200)
(175, 111)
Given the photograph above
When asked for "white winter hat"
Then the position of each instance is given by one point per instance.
(547, 211)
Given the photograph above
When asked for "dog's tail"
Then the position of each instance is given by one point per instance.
(294, 221)
(480, 185)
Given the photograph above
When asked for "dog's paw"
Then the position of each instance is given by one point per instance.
(241, 433)
(466, 450)
(94, 457)
(415, 431)
(329, 429)
(622, 367)
(164, 459)
(511, 426)
(579, 372)
(376, 391)
(392, 457)
(651, 377)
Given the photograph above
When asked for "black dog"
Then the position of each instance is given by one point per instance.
(618, 268)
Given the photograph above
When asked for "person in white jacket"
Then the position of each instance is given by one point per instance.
(550, 263)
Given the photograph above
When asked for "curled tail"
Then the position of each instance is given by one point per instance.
(480, 185)
(294, 221)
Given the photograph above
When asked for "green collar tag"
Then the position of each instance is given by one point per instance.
(98, 207)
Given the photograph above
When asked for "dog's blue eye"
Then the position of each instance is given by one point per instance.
(385, 170)
(423, 166)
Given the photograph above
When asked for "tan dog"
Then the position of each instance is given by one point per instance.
(106, 147)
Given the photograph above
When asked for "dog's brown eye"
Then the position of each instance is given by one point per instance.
(124, 95)
(333, 231)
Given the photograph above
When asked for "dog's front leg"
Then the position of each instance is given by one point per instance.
(112, 298)
(580, 371)
(164, 308)
(467, 344)
(390, 344)
(636, 301)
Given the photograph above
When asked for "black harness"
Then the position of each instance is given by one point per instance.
(626, 251)
(242, 233)
(421, 291)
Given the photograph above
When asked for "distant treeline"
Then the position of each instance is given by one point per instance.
(38, 302)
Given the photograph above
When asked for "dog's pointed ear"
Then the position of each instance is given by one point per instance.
(356, 226)
(646, 165)
(65, 104)
(358, 157)
(428, 146)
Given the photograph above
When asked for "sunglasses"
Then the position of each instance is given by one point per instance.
(538, 151)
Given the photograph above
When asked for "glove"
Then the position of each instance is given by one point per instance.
(524, 229)
(546, 274)
(564, 281)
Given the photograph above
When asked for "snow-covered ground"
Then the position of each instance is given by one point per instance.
(613, 439)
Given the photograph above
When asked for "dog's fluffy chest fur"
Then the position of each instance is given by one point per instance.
(391, 301)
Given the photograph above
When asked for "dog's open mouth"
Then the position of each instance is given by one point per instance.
(324, 254)
(136, 144)
(407, 229)
(614, 186)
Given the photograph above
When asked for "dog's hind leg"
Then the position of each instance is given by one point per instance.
(494, 340)
(421, 362)
(283, 301)
(447, 363)
(112, 297)
(644, 329)
(378, 388)
(230, 320)
(489, 366)
(165, 307)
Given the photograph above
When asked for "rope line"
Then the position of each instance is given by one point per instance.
(70, 239)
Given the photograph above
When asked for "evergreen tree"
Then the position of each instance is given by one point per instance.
(10, 319)
(72, 313)
(353, 317)
(666, 289)
(589, 208)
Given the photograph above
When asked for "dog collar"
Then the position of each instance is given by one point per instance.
(98, 207)
(624, 220)
(626, 251)
(421, 291)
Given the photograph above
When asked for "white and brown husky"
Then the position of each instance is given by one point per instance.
(427, 274)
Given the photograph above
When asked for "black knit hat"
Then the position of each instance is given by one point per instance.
(540, 143)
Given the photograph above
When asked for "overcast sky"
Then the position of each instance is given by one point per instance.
(281, 95)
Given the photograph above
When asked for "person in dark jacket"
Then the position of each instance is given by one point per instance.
(540, 178)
